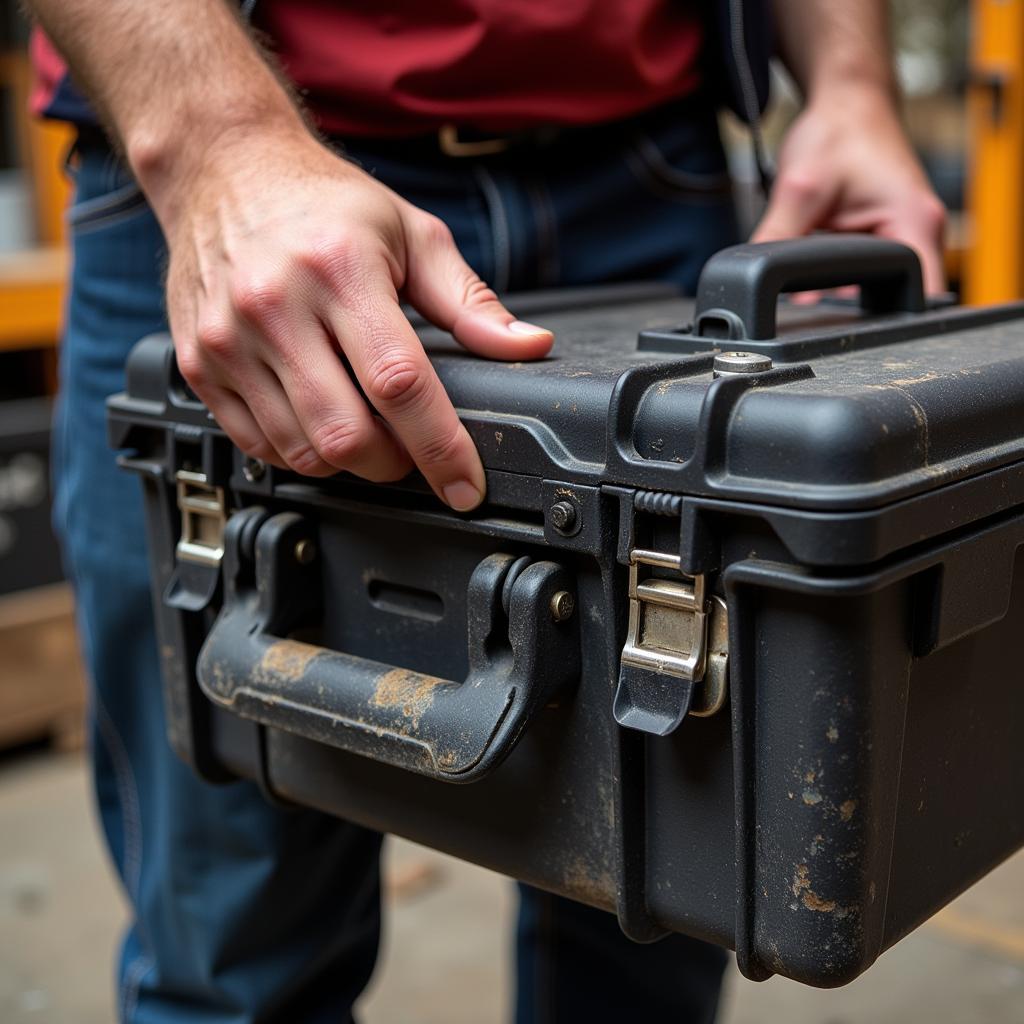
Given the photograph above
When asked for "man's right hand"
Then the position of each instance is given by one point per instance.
(283, 258)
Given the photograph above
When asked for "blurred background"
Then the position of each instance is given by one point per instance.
(448, 933)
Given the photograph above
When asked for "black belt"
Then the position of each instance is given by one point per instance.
(461, 142)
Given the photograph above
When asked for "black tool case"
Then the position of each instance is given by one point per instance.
(731, 649)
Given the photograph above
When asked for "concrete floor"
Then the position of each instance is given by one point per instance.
(60, 913)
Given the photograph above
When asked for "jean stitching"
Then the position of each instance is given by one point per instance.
(61, 503)
(116, 217)
(481, 227)
(109, 172)
(131, 818)
(499, 227)
(549, 264)
(131, 823)
(648, 151)
(662, 190)
(81, 214)
(131, 985)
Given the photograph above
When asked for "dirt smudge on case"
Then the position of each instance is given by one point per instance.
(409, 692)
(802, 888)
(287, 659)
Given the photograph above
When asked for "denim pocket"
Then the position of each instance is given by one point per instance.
(105, 191)
(111, 207)
(682, 161)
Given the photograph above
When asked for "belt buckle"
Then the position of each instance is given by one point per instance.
(451, 145)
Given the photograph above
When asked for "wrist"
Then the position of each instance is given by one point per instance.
(855, 94)
(170, 161)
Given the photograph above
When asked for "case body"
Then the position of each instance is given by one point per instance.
(836, 538)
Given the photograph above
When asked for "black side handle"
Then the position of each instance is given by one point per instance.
(740, 286)
(447, 729)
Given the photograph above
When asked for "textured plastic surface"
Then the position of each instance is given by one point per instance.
(860, 510)
(739, 287)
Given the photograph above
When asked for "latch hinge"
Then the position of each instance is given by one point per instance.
(203, 517)
(675, 659)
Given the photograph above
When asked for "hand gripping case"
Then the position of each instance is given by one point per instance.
(730, 650)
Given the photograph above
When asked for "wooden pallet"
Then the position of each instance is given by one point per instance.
(42, 684)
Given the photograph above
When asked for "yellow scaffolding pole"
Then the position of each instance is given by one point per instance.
(994, 257)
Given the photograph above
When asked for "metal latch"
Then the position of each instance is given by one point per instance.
(675, 659)
(202, 519)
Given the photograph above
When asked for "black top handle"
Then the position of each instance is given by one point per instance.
(739, 287)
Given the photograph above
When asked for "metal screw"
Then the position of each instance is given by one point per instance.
(305, 551)
(563, 604)
(563, 516)
(730, 364)
(253, 469)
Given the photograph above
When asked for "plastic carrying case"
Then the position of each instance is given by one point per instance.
(731, 649)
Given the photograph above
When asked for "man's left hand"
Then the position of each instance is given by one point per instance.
(847, 165)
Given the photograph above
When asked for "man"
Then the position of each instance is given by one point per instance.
(526, 144)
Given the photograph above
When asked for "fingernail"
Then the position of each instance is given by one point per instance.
(521, 327)
(462, 495)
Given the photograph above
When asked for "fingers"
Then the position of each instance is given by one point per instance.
(397, 378)
(796, 207)
(262, 332)
(235, 419)
(262, 392)
(270, 374)
(214, 387)
(302, 412)
(228, 409)
(442, 286)
(333, 418)
(917, 219)
(921, 224)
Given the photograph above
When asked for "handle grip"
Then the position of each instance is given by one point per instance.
(458, 731)
(740, 286)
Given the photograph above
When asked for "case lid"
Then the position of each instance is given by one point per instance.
(859, 408)
(899, 408)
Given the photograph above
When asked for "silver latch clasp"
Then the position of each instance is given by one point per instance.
(667, 620)
(203, 517)
(676, 633)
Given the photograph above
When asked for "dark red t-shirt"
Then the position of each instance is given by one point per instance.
(405, 67)
(395, 67)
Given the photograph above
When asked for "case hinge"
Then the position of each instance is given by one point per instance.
(203, 518)
(675, 659)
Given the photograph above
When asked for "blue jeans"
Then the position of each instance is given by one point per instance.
(242, 912)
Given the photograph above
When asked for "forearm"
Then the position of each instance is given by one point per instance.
(831, 46)
(846, 163)
(171, 81)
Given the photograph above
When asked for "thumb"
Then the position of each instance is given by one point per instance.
(794, 208)
(444, 288)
